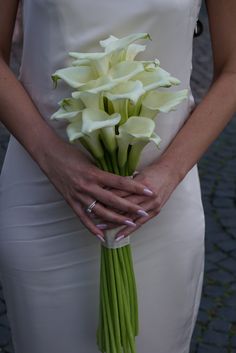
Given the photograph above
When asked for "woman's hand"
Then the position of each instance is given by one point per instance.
(80, 182)
(162, 181)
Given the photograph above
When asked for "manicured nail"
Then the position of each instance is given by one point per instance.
(142, 213)
(147, 191)
(102, 226)
(130, 223)
(120, 237)
(100, 237)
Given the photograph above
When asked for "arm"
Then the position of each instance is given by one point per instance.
(206, 121)
(22, 116)
(79, 183)
(216, 109)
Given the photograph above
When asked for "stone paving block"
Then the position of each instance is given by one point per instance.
(203, 348)
(227, 245)
(221, 276)
(233, 342)
(210, 266)
(219, 325)
(228, 314)
(229, 263)
(216, 257)
(214, 291)
(219, 339)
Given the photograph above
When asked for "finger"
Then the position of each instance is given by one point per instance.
(107, 215)
(123, 183)
(124, 232)
(77, 207)
(111, 200)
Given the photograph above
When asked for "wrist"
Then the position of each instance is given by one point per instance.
(44, 146)
(172, 166)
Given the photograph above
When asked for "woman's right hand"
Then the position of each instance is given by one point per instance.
(81, 182)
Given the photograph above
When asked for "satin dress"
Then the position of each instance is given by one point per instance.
(49, 261)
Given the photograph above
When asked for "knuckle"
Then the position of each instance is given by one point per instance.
(157, 202)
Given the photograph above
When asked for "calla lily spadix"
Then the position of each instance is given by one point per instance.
(155, 102)
(111, 113)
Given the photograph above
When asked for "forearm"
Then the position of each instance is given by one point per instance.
(203, 126)
(21, 117)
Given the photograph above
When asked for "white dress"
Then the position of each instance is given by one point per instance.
(49, 262)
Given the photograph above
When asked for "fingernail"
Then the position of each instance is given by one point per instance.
(130, 223)
(100, 237)
(142, 213)
(147, 191)
(102, 226)
(120, 237)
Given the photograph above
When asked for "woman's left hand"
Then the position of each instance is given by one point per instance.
(162, 181)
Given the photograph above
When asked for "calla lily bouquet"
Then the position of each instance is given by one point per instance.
(111, 113)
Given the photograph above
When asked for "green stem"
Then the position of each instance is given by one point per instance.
(135, 298)
(113, 298)
(119, 297)
(115, 162)
(103, 164)
(131, 287)
(106, 303)
(129, 330)
(107, 295)
(108, 161)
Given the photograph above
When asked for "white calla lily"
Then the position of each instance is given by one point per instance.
(99, 61)
(122, 94)
(119, 73)
(90, 126)
(81, 62)
(105, 42)
(154, 102)
(137, 132)
(156, 78)
(74, 76)
(69, 109)
(126, 90)
(90, 100)
(112, 45)
(104, 83)
(133, 50)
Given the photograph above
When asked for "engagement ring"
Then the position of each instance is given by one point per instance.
(90, 207)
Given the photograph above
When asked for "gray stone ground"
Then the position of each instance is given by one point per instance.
(215, 330)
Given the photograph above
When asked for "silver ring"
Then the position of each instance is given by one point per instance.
(89, 208)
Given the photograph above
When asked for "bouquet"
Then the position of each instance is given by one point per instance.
(111, 113)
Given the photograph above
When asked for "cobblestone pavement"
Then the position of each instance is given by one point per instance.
(215, 330)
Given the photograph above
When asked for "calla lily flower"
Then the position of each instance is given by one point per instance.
(90, 126)
(74, 76)
(119, 73)
(155, 102)
(112, 44)
(122, 94)
(155, 78)
(137, 132)
(69, 109)
(90, 100)
(99, 62)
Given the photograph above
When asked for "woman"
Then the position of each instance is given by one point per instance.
(49, 260)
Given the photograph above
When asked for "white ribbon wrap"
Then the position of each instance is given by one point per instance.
(110, 241)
